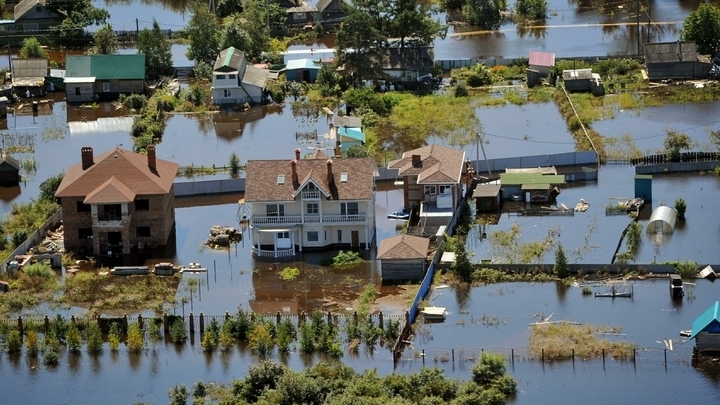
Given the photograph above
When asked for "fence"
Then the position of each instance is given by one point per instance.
(584, 268)
(34, 239)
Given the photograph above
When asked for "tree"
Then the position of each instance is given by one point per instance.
(157, 50)
(561, 265)
(356, 151)
(237, 33)
(412, 19)
(204, 34)
(105, 41)
(532, 9)
(485, 13)
(360, 41)
(680, 207)
(703, 27)
(77, 16)
(49, 187)
(234, 165)
(674, 143)
(226, 8)
(31, 48)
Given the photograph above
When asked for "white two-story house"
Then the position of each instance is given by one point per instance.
(236, 82)
(315, 203)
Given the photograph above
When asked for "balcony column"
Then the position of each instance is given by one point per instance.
(367, 236)
(299, 231)
(275, 245)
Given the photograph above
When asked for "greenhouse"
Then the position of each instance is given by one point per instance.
(662, 220)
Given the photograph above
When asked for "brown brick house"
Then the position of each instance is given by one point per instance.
(117, 201)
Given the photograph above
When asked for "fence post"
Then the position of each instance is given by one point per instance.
(140, 322)
(278, 318)
(512, 356)
(72, 319)
(423, 356)
(407, 318)
(191, 323)
(201, 321)
(380, 321)
(227, 315)
(633, 355)
(542, 354)
(573, 355)
(603, 355)
(453, 355)
(20, 324)
(665, 352)
(301, 318)
(125, 323)
(329, 318)
(166, 327)
(47, 323)
(355, 318)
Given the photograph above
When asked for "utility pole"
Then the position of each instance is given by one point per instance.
(637, 23)
(137, 27)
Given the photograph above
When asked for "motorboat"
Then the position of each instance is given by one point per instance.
(404, 215)
(431, 314)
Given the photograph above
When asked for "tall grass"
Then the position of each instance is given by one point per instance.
(557, 341)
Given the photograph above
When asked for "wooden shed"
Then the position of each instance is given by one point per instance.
(675, 60)
(706, 329)
(403, 258)
(579, 80)
(9, 171)
(487, 197)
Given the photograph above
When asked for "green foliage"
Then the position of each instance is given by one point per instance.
(617, 66)
(260, 338)
(31, 48)
(157, 50)
(632, 237)
(225, 338)
(13, 342)
(329, 81)
(135, 102)
(344, 258)
(135, 338)
(486, 14)
(203, 31)
(261, 377)
(461, 90)
(178, 334)
(286, 335)
(178, 394)
(532, 9)
(198, 94)
(114, 337)
(561, 264)
(77, 16)
(105, 41)
(357, 41)
(31, 343)
(685, 268)
(199, 390)
(39, 269)
(73, 339)
(675, 142)
(299, 388)
(94, 338)
(703, 27)
(51, 357)
(586, 290)
(462, 267)
(289, 273)
(356, 151)
(234, 165)
(680, 207)
(506, 246)
(489, 373)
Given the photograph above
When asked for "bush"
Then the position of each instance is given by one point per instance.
(73, 339)
(13, 344)
(289, 273)
(234, 165)
(135, 339)
(346, 257)
(461, 90)
(135, 102)
(114, 337)
(41, 270)
(197, 94)
(561, 268)
(94, 339)
(260, 338)
(680, 207)
(488, 368)
(177, 331)
(686, 268)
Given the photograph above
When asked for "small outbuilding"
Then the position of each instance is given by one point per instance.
(28, 76)
(9, 171)
(675, 60)
(662, 220)
(583, 80)
(487, 197)
(302, 70)
(403, 258)
(347, 132)
(706, 329)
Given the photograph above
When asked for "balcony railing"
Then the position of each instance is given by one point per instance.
(309, 219)
(310, 195)
(110, 221)
(271, 253)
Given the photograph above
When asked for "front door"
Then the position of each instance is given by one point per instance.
(355, 238)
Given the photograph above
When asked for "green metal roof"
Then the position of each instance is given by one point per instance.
(106, 67)
(536, 186)
(644, 176)
(519, 179)
(709, 321)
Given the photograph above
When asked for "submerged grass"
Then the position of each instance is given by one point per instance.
(558, 340)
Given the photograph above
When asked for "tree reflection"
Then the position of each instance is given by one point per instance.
(536, 32)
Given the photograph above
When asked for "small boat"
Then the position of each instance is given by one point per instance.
(582, 206)
(433, 313)
(399, 215)
(129, 270)
(686, 333)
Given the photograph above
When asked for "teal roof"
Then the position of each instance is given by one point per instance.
(709, 321)
(519, 179)
(303, 64)
(106, 67)
(354, 133)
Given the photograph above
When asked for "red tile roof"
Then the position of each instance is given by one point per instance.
(128, 168)
(403, 247)
(262, 178)
(438, 164)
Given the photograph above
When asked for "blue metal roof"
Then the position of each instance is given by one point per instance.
(354, 133)
(303, 64)
(709, 321)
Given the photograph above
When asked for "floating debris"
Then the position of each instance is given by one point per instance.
(582, 206)
(222, 236)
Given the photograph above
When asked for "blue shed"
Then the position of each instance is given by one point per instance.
(302, 70)
(706, 329)
(350, 136)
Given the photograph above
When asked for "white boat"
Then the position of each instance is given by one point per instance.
(399, 215)
(433, 313)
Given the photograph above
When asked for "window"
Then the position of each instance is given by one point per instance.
(444, 189)
(220, 77)
(349, 208)
(111, 212)
(343, 177)
(313, 208)
(77, 91)
(106, 86)
(143, 232)
(313, 236)
(142, 204)
(311, 187)
(275, 210)
(227, 93)
(430, 190)
(325, 235)
(339, 235)
(84, 233)
(232, 77)
(81, 207)
(30, 27)
(281, 179)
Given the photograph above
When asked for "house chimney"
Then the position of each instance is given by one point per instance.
(87, 157)
(329, 171)
(297, 153)
(416, 160)
(151, 157)
(293, 163)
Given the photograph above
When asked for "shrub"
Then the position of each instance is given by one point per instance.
(461, 90)
(286, 335)
(73, 339)
(561, 265)
(31, 343)
(135, 102)
(346, 257)
(488, 368)
(94, 339)
(234, 165)
(114, 337)
(586, 290)
(289, 273)
(680, 207)
(41, 270)
(135, 339)
(13, 344)
(686, 268)
(633, 234)
(178, 394)
(197, 94)
(177, 331)
(261, 339)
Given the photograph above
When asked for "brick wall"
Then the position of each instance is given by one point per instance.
(160, 218)
(74, 220)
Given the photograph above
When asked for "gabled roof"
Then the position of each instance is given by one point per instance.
(29, 68)
(403, 247)
(409, 57)
(538, 58)
(438, 164)
(303, 9)
(323, 4)
(112, 191)
(25, 6)
(262, 184)
(663, 52)
(230, 59)
(5, 158)
(107, 67)
(255, 76)
(128, 168)
(709, 321)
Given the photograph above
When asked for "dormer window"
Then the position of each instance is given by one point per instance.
(281, 179)
(343, 177)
